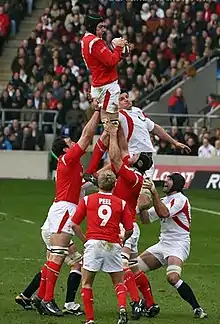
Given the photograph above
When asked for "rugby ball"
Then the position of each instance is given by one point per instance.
(126, 49)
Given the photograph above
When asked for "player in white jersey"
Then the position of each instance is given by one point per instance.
(173, 248)
(137, 128)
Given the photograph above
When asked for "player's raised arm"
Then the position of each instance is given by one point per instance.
(159, 131)
(89, 129)
(123, 144)
(101, 52)
(114, 150)
(160, 208)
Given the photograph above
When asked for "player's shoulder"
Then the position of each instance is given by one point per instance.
(136, 109)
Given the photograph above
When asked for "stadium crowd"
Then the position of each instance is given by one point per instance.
(11, 16)
(48, 71)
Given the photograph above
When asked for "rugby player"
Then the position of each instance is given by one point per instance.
(73, 260)
(68, 187)
(102, 63)
(104, 213)
(173, 248)
(128, 187)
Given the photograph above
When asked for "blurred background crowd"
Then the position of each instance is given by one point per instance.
(49, 72)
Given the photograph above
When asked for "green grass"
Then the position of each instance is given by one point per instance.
(31, 199)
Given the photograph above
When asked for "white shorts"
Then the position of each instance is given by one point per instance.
(102, 255)
(108, 96)
(162, 250)
(132, 242)
(59, 218)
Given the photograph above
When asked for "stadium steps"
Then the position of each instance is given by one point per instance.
(10, 49)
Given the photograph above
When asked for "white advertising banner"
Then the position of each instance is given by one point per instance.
(24, 165)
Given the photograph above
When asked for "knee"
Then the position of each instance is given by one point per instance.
(142, 265)
(173, 278)
(173, 274)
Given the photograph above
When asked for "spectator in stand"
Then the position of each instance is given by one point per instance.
(206, 150)
(193, 146)
(217, 148)
(5, 142)
(4, 27)
(177, 106)
(212, 103)
(216, 137)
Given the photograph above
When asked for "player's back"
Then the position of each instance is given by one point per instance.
(104, 214)
(69, 176)
(128, 187)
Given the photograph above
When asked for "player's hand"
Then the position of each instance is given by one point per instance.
(182, 147)
(148, 184)
(121, 42)
(95, 104)
(110, 128)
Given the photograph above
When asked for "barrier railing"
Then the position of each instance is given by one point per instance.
(190, 120)
(40, 114)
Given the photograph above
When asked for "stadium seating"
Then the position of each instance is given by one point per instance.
(49, 72)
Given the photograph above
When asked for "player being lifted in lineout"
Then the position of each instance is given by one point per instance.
(102, 63)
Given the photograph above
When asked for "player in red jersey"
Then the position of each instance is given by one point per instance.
(68, 186)
(128, 187)
(104, 213)
(102, 63)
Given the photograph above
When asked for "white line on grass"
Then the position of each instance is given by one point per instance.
(23, 259)
(208, 211)
(19, 219)
(25, 221)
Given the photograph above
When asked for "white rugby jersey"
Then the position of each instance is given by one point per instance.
(177, 226)
(136, 128)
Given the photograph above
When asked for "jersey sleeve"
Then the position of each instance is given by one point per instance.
(127, 220)
(175, 206)
(128, 175)
(153, 217)
(102, 53)
(73, 154)
(150, 124)
(80, 212)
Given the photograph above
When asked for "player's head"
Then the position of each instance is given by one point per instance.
(174, 182)
(124, 101)
(95, 24)
(106, 180)
(141, 162)
(61, 145)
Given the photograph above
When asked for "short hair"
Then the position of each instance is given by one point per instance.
(58, 145)
(106, 180)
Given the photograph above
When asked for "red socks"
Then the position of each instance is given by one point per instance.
(97, 154)
(144, 287)
(42, 288)
(130, 283)
(53, 270)
(121, 293)
(87, 297)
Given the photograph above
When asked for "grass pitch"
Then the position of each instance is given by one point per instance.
(23, 208)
